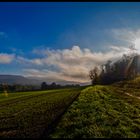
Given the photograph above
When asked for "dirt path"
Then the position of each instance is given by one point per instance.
(131, 95)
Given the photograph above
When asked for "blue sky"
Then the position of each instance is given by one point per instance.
(29, 29)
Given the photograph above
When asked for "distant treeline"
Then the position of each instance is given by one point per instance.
(53, 85)
(22, 88)
(18, 88)
(128, 67)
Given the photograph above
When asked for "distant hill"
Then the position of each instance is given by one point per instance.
(61, 82)
(17, 79)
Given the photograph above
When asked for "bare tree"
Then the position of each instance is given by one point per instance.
(93, 74)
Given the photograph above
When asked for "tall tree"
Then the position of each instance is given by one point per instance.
(43, 85)
(93, 74)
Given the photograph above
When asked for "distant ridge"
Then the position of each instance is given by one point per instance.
(18, 79)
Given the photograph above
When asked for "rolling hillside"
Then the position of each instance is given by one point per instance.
(103, 112)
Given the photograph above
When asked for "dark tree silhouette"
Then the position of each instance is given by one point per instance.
(127, 67)
(43, 85)
(93, 74)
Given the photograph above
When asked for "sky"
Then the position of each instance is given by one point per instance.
(62, 41)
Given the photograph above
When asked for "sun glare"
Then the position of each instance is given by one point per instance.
(137, 44)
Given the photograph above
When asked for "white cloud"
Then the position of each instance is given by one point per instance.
(26, 61)
(69, 64)
(128, 36)
(120, 49)
(72, 64)
(54, 76)
(6, 58)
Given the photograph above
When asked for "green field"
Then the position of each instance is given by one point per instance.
(85, 112)
(30, 114)
(101, 112)
(130, 86)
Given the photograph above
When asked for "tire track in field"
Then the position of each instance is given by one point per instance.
(126, 93)
(17, 100)
(21, 100)
(54, 123)
(56, 108)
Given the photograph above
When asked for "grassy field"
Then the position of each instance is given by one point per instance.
(130, 86)
(98, 112)
(101, 112)
(30, 114)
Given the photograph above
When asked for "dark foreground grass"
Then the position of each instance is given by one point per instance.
(28, 115)
(101, 112)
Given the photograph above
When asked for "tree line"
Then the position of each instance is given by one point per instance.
(43, 86)
(128, 67)
(18, 87)
(53, 85)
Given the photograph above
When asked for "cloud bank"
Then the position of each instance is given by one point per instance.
(71, 64)
(68, 64)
